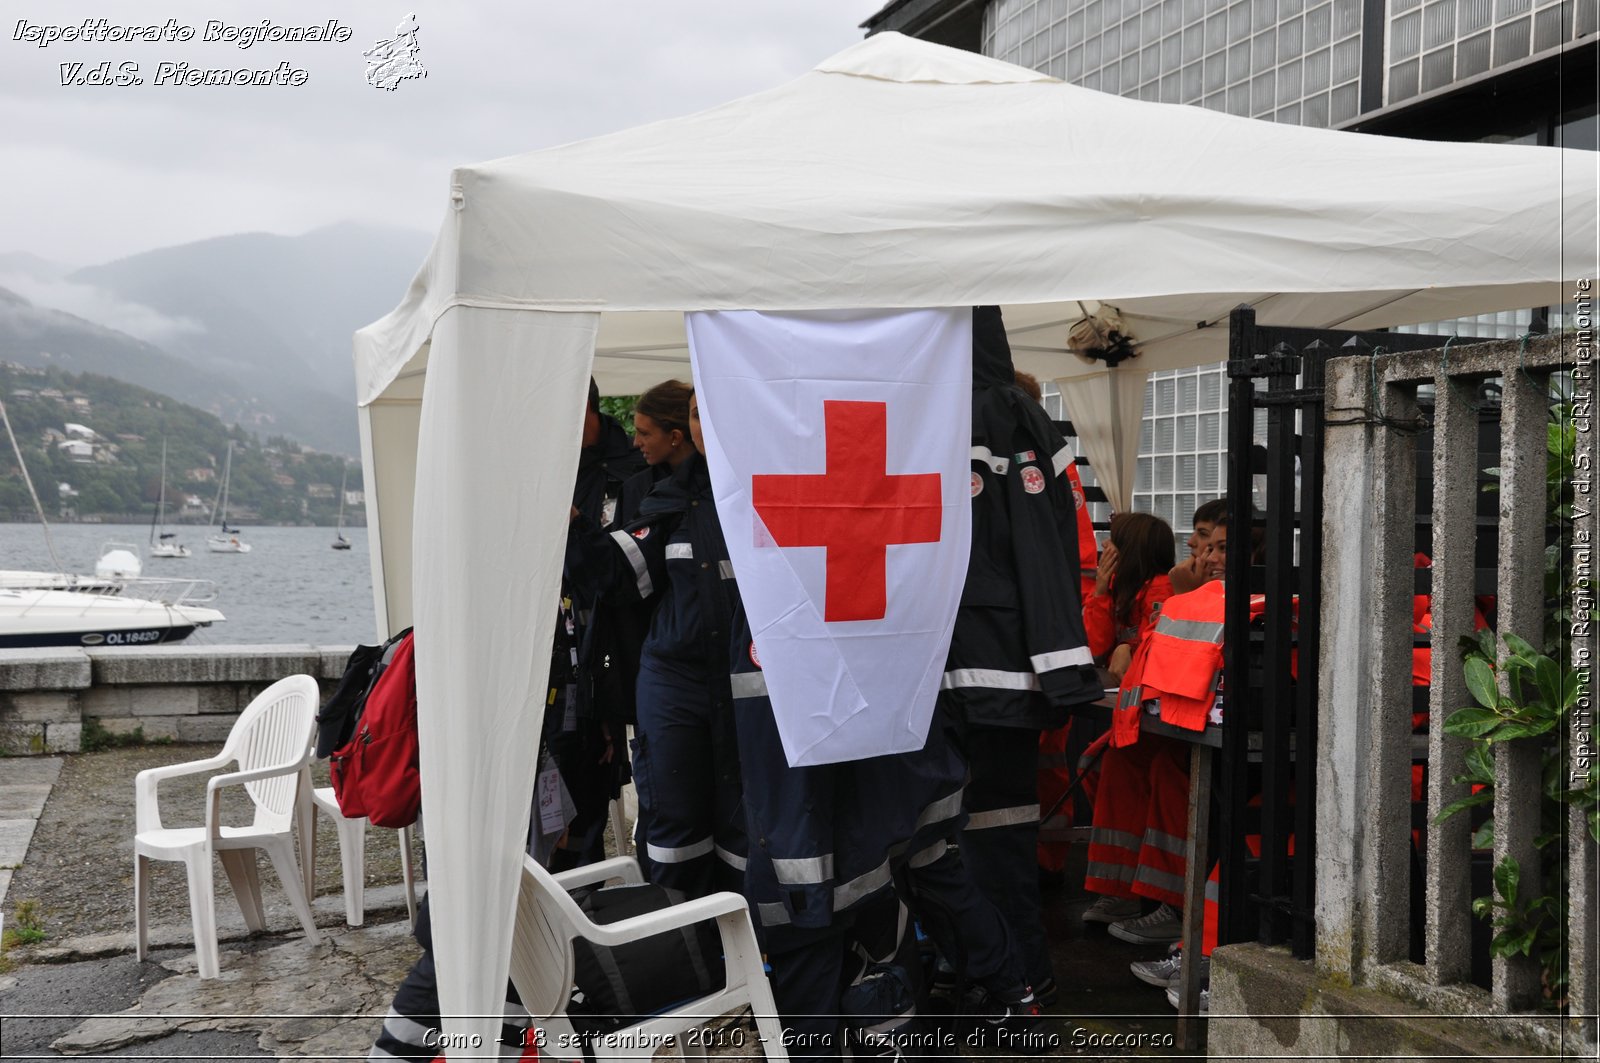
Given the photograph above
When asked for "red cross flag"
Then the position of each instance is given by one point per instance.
(839, 446)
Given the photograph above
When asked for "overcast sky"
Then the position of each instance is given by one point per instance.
(95, 173)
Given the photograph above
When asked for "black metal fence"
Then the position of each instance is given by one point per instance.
(1271, 696)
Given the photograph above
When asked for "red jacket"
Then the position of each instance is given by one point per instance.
(1088, 551)
(1101, 627)
(1180, 663)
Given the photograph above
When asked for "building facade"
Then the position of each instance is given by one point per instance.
(1516, 71)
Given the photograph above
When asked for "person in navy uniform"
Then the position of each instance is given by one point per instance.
(685, 761)
(838, 856)
(584, 713)
(1018, 659)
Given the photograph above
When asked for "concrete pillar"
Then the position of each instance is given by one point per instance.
(1524, 414)
(1363, 739)
(1455, 528)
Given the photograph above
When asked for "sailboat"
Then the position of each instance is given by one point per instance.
(226, 540)
(162, 542)
(340, 542)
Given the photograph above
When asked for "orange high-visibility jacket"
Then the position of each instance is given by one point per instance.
(1180, 663)
(1185, 656)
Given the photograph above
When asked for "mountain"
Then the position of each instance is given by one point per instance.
(262, 322)
(52, 339)
(277, 306)
(39, 337)
(103, 439)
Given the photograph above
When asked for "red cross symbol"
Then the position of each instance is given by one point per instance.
(856, 510)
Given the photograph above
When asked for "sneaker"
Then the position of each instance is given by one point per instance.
(1161, 927)
(1112, 909)
(1014, 1023)
(1158, 972)
(1161, 973)
(1045, 991)
(1205, 998)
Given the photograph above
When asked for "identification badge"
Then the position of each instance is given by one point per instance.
(550, 819)
(608, 512)
(569, 719)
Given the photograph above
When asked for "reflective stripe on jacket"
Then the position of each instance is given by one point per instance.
(1185, 656)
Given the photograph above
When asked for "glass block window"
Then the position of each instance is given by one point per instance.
(1182, 444)
(1434, 43)
(1505, 325)
(1284, 60)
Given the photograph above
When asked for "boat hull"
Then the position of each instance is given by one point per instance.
(129, 637)
(227, 546)
(34, 618)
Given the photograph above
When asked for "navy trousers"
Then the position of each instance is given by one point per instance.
(686, 770)
(1000, 842)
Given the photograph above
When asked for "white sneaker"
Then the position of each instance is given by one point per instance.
(1205, 998)
(1158, 972)
(1161, 927)
(1164, 972)
(1111, 909)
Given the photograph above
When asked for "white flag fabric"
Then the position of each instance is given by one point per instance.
(840, 451)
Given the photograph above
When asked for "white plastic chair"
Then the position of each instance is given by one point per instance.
(549, 920)
(352, 834)
(272, 743)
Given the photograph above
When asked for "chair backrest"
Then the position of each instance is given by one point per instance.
(541, 944)
(276, 730)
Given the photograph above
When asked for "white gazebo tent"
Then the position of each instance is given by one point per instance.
(895, 174)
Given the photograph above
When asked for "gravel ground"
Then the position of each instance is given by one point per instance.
(79, 868)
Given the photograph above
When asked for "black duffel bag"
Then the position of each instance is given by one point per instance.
(338, 716)
(626, 984)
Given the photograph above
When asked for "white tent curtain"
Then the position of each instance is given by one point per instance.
(498, 488)
(1107, 411)
(897, 174)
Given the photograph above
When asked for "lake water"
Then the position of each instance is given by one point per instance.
(291, 587)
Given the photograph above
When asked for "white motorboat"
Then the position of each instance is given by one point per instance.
(66, 618)
(59, 609)
(226, 540)
(162, 542)
(18, 579)
(118, 561)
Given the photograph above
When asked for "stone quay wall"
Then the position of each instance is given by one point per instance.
(166, 693)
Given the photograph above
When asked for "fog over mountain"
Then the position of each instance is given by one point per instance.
(253, 326)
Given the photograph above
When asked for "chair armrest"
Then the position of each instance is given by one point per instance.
(659, 922)
(146, 809)
(237, 778)
(625, 868)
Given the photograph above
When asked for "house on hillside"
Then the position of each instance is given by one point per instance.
(22, 393)
(52, 393)
(201, 474)
(80, 431)
(320, 490)
(78, 450)
(283, 479)
(355, 498)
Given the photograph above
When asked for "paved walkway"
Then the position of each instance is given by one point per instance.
(26, 787)
(82, 992)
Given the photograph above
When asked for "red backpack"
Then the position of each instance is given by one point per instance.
(376, 773)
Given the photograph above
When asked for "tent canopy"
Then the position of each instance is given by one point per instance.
(895, 174)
